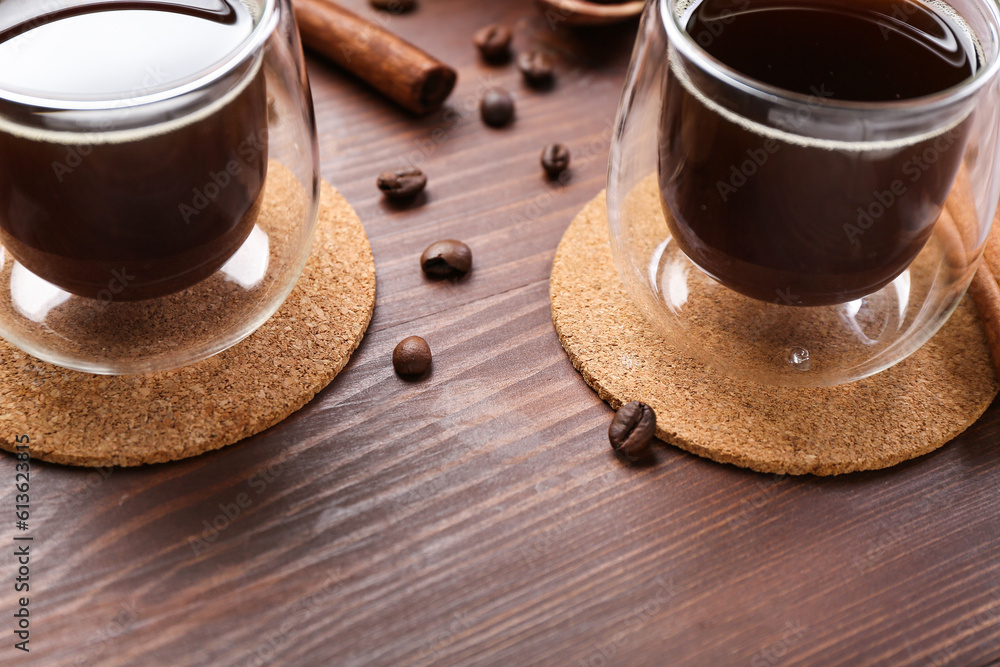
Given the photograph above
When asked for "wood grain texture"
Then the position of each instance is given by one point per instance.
(478, 516)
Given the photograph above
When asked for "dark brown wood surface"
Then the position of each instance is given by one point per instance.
(478, 516)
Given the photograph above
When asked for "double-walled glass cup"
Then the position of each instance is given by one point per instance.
(795, 239)
(151, 228)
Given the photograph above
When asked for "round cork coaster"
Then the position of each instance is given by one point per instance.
(91, 420)
(901, 413)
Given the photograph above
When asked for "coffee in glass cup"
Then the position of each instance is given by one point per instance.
(142, 199)
(784, 216)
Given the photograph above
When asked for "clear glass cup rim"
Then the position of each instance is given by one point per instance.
(694, 52)
(266, 24)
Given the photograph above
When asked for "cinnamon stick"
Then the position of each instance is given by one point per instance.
(401, 71)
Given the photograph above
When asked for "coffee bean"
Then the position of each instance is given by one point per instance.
(402, 184)
(497, 107)
(555, 159)
(412, 357)
(536, 68)
(493, 43)
(632, 431)
(445, 259)
(394, 6)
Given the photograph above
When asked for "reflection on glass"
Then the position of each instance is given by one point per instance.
(902, 286)
(248, 266)
(32, 296)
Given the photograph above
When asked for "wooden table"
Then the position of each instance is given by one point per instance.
(479, 516)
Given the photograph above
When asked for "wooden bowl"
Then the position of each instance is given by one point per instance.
(582, 12)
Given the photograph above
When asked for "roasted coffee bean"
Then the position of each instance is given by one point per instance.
(536, 68)
(497, 107)
(445, 259)
(632, 431)
(493, 43)
(402, 184)
(412, 357)
(394, 6)
(555, 159)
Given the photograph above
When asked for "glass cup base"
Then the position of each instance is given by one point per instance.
(780, 343)
(107, 336)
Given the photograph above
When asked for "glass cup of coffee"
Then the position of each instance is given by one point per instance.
(800, 190)
(158, 177)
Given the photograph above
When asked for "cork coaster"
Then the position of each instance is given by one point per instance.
(89, 420)
(901, 413)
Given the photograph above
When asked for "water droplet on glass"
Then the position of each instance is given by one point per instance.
(798, 358)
